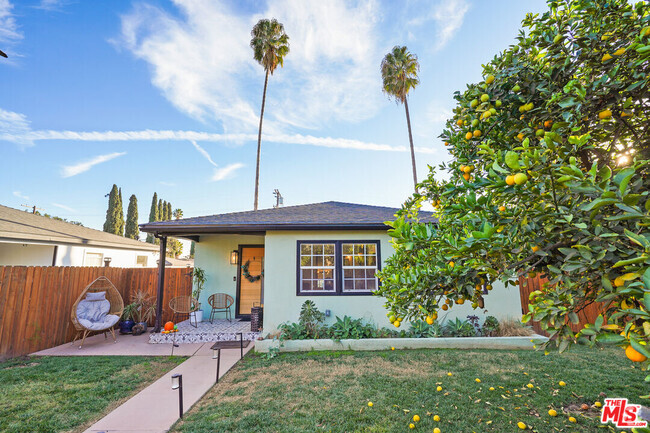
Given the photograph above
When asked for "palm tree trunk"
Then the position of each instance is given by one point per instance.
(259, 144)
(408, 123)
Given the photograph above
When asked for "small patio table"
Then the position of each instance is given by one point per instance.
(227, 344)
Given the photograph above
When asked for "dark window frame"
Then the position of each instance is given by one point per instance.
(338, 267)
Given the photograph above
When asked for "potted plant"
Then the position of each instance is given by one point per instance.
(143, 312)
(199, 281)
(126, 325)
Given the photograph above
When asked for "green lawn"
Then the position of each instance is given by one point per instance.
(329, 392)
(58, 394)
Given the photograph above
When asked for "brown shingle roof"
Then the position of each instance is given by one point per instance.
(20, 226)
(329, 215)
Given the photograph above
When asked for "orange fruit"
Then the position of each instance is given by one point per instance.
(520, 178)
(416, 418)
(477, 133)
(469, 136)
(459, 122)
(633, 355)
(510, 180)
(535, 248)
(520, 136)
(548, 124)
(445, 307)
(466, 176)
(451, 264)
(605, 114)
(169, 326)
(502, 208)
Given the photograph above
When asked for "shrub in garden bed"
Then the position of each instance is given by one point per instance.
(310, 326)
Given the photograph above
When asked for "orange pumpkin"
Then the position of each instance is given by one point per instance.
(169, 326)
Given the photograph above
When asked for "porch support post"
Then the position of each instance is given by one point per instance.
(161, 281)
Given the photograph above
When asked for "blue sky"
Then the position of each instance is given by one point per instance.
(164, 96)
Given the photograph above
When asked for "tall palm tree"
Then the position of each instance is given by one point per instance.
(270, 44)
(399, 71)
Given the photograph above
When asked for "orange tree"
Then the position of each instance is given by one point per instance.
(548, 174)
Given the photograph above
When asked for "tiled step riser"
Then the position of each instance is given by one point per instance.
(182, 338)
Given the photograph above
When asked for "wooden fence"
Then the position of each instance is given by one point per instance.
(528, 285)
(36, 302)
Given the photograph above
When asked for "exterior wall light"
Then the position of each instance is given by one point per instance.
(234, 257)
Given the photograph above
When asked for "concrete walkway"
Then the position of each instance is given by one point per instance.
(127, 345)
(155, 408)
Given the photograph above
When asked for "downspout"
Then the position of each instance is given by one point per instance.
(161, 281)
(56, 250)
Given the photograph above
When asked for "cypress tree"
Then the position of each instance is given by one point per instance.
(169, 211)
(120, 213)
(161, 212)
(132, 230)
(153, 216)
(163, 215)
(111, 225)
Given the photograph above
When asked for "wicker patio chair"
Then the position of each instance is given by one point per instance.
(220, 303)
(93, 312)
(182, 305)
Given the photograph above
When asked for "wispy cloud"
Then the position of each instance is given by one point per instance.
(164, 183)
(447, 16)
(8, 26)
(73, 170)
(64, 207)
(15, 127)
(51, 5)
(226, 172)
(333, 53)
(203, 152)
(219, 173)
(20, 195)
(150, 135)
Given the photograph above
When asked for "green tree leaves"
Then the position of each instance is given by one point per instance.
(576, 127)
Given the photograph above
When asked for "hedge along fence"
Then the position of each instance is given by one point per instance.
(527, 285)
(36, 301)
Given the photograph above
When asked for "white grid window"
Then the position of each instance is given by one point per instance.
(359, 267)
(94, 259)
(317, 267)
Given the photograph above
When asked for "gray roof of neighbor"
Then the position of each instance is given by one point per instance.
(331, 215)
(20, 226)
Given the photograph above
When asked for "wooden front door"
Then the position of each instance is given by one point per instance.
(249, 293)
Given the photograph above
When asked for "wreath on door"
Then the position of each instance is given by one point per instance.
(247, 275)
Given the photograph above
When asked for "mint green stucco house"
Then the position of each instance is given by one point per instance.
(278, 258)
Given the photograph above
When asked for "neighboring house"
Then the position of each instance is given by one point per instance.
(171, 262)
(34, 240)
(327, 252)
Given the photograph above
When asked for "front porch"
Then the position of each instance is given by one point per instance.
(206, 332)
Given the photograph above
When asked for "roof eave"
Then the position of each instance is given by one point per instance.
(256, 228)
(88, 243)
